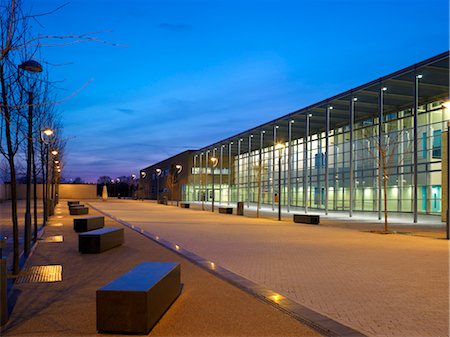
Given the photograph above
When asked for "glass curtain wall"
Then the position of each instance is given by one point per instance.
(395, 146)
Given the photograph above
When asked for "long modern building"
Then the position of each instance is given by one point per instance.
(342, 153)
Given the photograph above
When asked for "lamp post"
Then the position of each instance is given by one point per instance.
(46, 135)
(32, 67)
(158, 173)
(446, 105)
(178, 168)
(214, 163)
(280, 148)
(49, 196)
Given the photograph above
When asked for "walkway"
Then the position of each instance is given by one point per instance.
(208, 306)
(380, 285)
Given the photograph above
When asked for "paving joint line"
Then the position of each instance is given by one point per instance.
(322, 324)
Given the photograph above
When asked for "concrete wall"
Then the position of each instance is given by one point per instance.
(66, 191)
(77, 191)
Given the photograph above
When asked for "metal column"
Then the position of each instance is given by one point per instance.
(194, 174)
(238, 178)
(352, 121)
(248, 169)
(273, 167)
(415, 135)
(305, 166)
(380, 144)
(206, 175)
(289, 153)
(327, 157)
(202, 199)
(229, 172)
(260, 170)
(220, 175)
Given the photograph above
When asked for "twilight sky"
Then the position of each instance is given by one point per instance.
(194, 72)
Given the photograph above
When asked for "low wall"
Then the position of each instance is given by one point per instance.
(66, 191)
(77, 191)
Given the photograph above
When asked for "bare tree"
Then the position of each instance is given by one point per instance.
(385, 153)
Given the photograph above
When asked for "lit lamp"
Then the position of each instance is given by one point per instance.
(47, 135)
(214, 163)
(280, 148)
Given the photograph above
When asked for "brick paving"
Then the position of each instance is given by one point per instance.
(380, 285)
(208, 306)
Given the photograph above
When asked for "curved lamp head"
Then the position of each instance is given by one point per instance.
(158, 172)
(54, 152)
(46, 135)
(143, 174)
(446, 104)
(179, 168)
(31, 66)
(214, 161)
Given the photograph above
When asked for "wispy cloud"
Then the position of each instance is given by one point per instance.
(174, 27)
(126, 111)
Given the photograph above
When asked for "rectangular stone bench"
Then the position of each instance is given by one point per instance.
(75, 202)
(88, 224)
(100, 240)
(307, 218)
(184, 205)
(76, 206)
(79, 210)
(135, 301)
(226, 210)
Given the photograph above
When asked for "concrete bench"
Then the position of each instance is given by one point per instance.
(184, 205)
(88, 224)
(70, 203)
(226, 210)
(135, 301)
(100, 240)
(79, 210)
(76, 205)
(307, 218)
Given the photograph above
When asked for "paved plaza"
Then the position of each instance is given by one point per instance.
(380, 285)
(208, 306)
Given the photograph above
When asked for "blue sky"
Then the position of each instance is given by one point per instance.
(193, 72)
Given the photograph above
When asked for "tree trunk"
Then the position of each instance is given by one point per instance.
(385, 201)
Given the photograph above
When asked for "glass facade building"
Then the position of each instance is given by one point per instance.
(343, 153)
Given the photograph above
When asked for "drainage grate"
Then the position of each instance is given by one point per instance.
(41, 274)
(56, 238)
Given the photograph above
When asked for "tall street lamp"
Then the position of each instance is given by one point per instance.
(280, 148)
(46, 138)
(33, 67)
(158, 173)
(214, 163)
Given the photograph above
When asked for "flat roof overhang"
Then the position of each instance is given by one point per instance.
(434, 85)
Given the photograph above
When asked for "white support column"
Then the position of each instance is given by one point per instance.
(327, 156)
(415, 135)
(229, 172)
(207, 166)
(305, 165)
(289, 161)
(380, 144)
(272, 188)
(194, 173)
(352, 122)
(238, 180)
(220, 173)
(261, 143)
(248, 169)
